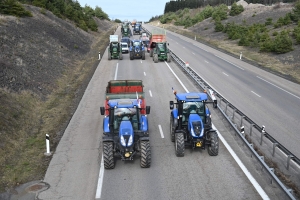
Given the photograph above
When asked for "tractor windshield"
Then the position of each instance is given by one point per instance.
(136, 44)
(161, 46)
(194, 107)
(126, 114)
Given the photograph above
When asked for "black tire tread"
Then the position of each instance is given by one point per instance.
(145, 154)
(108, 155)
(213, 148)
(179, 144)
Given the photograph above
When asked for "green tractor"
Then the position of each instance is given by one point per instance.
(161, 52)
(125, 31)
(115, 51)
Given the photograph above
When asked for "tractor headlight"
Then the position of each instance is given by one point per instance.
(123, 141)
(130, 141)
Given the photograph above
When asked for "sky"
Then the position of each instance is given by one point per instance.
(141, 10)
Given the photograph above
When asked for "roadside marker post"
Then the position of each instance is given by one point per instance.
(48, 153)
(99, 56)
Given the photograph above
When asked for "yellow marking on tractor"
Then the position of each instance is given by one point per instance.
(199, 144)
(127, 154)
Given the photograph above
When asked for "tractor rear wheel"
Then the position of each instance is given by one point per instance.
(168, 58)
(143, 55)
(108, 155)
(155, 58)
(179, 144)
(131, 55)
(151, 52)
(109, 55)
(213, 148)
(145, 154)
(172, 128)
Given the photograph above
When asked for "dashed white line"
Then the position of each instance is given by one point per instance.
(184, 47)
(176, 42)
(144, 73)
(100, 179)
(256, 185)
(255, 94)
(225, 74)
(116, 72)
(161, 131)
(206, 61)
(141, 61)
(193, 53)
(229, 62)
(150, 93)
(278, 87)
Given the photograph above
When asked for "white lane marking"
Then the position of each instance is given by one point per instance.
(236, 158)
(141, 61)
(176, 42)
(176, 77)
(116, 72)
(144, 73)
(255, 94)
(278, 87)
(100, 179)
(150, 93)
(193, 53)
(161, 131)
(206, 61)
(225, 74)
(200, 47)
(184, 47)
(256, 185)
(229, 62)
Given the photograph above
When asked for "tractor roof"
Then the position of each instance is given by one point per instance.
(192, 96)
(123, 103)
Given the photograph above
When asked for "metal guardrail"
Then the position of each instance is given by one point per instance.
(201, 82)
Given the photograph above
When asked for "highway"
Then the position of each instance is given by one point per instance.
(76, 169)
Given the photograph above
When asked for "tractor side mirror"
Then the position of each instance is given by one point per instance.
(215, 104)
(147, 110)
(102, 110)
(171, 105)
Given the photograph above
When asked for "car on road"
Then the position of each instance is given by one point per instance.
(125, 48)
(126, 39)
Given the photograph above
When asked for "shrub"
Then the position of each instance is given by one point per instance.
(12, 7)
(295, 15)
(220, 11)
(296, 33)
(283, 43)
(275, 33)
(236, 9)
(218, 26)
(244, 41)
(268, 21)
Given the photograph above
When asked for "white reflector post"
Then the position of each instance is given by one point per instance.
(48, 153)
(99, 56)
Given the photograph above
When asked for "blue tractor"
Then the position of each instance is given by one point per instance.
(190, 123)
(137, 49)
(125, 128)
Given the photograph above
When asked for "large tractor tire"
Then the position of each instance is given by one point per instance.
(108, 155)
(145, 154)
(151, 53)
(120, 56)
(143, 55)
(168, 58)
(155, 58)
(131, 55)
(172, 128)
(109, 55)
(213, 148)
(179, 144)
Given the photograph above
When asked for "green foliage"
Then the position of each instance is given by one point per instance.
(283, 43)
(43, 11)
(167, 18)
(39, 3)
(208, 11)
(244, 41)
(275, 33)
(283, 21)
(296, 33)
(220, 11)
(100, 14)
(12, 7)
(218, 25)
(236, 9)
(118, 21)
(268, 21)
(295, 15)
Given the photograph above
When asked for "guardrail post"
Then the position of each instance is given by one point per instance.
(288, 161)
(262, 134)
(233, 114)
(251, 127)
(243, 130)
(226, 107)
(242, 117)
(274, 147)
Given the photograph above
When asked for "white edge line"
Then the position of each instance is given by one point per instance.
(225, 74)
(256, 185)
(116, 72)
(278, 87)
(229, 62)
(100, 179)
(236, 158)
(161, 131)
(255, 94)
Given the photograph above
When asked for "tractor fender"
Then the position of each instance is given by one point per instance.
(175, 113)
(144, 139)
(175, 122)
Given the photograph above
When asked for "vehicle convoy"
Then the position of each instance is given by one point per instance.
(137, 29)
(114, 48)
(190, 123)
(125, 125)
(137, 49)
(158, 48)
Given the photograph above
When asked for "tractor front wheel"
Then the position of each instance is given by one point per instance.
(108, 155)
(145, 154)
(179, 144)
(172, 128)
(131, 55)
(155, 58)
(213, 148)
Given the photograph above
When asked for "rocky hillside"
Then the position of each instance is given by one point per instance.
(45, 66)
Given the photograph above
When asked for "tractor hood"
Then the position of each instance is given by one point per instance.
(195, 126)
(126, 133)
